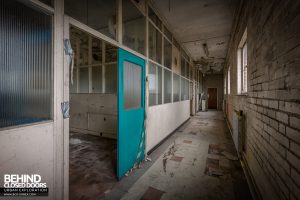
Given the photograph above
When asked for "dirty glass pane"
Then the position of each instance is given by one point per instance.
(111, 78)
(84, 80)
(26, 74)
(183, 72)
(47, 2)
(96, 51)
(132, 85)
(167, 33)
(154, 18)
(155, 44)
(99, 15)
(134, 27)
(184, 89)
(73, 87)
(176, 87)
(83, 58)
(155, 84)
(167, 86)
(110, 53)
(167, 54)
(97, 79)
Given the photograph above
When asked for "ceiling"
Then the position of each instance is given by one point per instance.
(202, 27)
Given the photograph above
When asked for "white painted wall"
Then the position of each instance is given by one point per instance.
(29, 150)
(94, 114)
(164, 119)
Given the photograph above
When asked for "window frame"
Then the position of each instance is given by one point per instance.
(242, 66)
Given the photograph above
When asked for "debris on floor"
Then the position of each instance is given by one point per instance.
(152, 194)
(197, 171)
(229, 156)
(92, 169)
(176, 158)
(187, 141)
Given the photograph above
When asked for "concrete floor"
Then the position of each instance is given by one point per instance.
(197, 162)
(92, 166)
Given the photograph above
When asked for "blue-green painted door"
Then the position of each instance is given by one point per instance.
(131, 110)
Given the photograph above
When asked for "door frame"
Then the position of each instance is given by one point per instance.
(66, 24)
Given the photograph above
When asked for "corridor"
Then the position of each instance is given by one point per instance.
(198, 161)
(150, 99)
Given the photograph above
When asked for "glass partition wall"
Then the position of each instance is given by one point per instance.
(138, 28)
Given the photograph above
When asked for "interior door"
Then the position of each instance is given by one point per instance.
(131, 111)
(212, 98)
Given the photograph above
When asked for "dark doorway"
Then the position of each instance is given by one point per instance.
(212, 98)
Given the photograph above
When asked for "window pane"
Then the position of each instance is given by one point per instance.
(26, 84)
(111, 78)
(97, 79)
(99, 15)
(176, 44)
(183, 72)
(47, 2)
(96, 51)
(184, 89)
(73, 87)
(176, 87)
(83, 59)
(132, 85)
(167, 33)
(155, 44)
(84, 80)
(110, 53)
(167, 86)
(167, 54)
(155, 84)
(134, 27)
(154, 18)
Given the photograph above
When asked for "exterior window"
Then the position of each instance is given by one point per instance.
(87, 12)
(167, 86)
(184, 89)
(167, 54)
(242, 65)
(183, 70)
(228, 80)
(225, 85)
(134, 27)
(26, 74)
(155, 84)
(154, 18)
(176, 88)
(167, 33)
(47, 2)
(155, 44)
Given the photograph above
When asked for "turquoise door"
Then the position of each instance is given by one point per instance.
(131, 111)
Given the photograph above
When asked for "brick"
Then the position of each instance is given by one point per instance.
(293, 134)
(295, 122)
(274, 124)
(295, 148)
(273, 104)
(282, 117)
(292, 107)
(293, 160)
(282, 151)
(282, 128)
(295, 176)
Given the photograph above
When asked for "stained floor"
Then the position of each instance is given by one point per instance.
(199, 163)
(92, 166)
